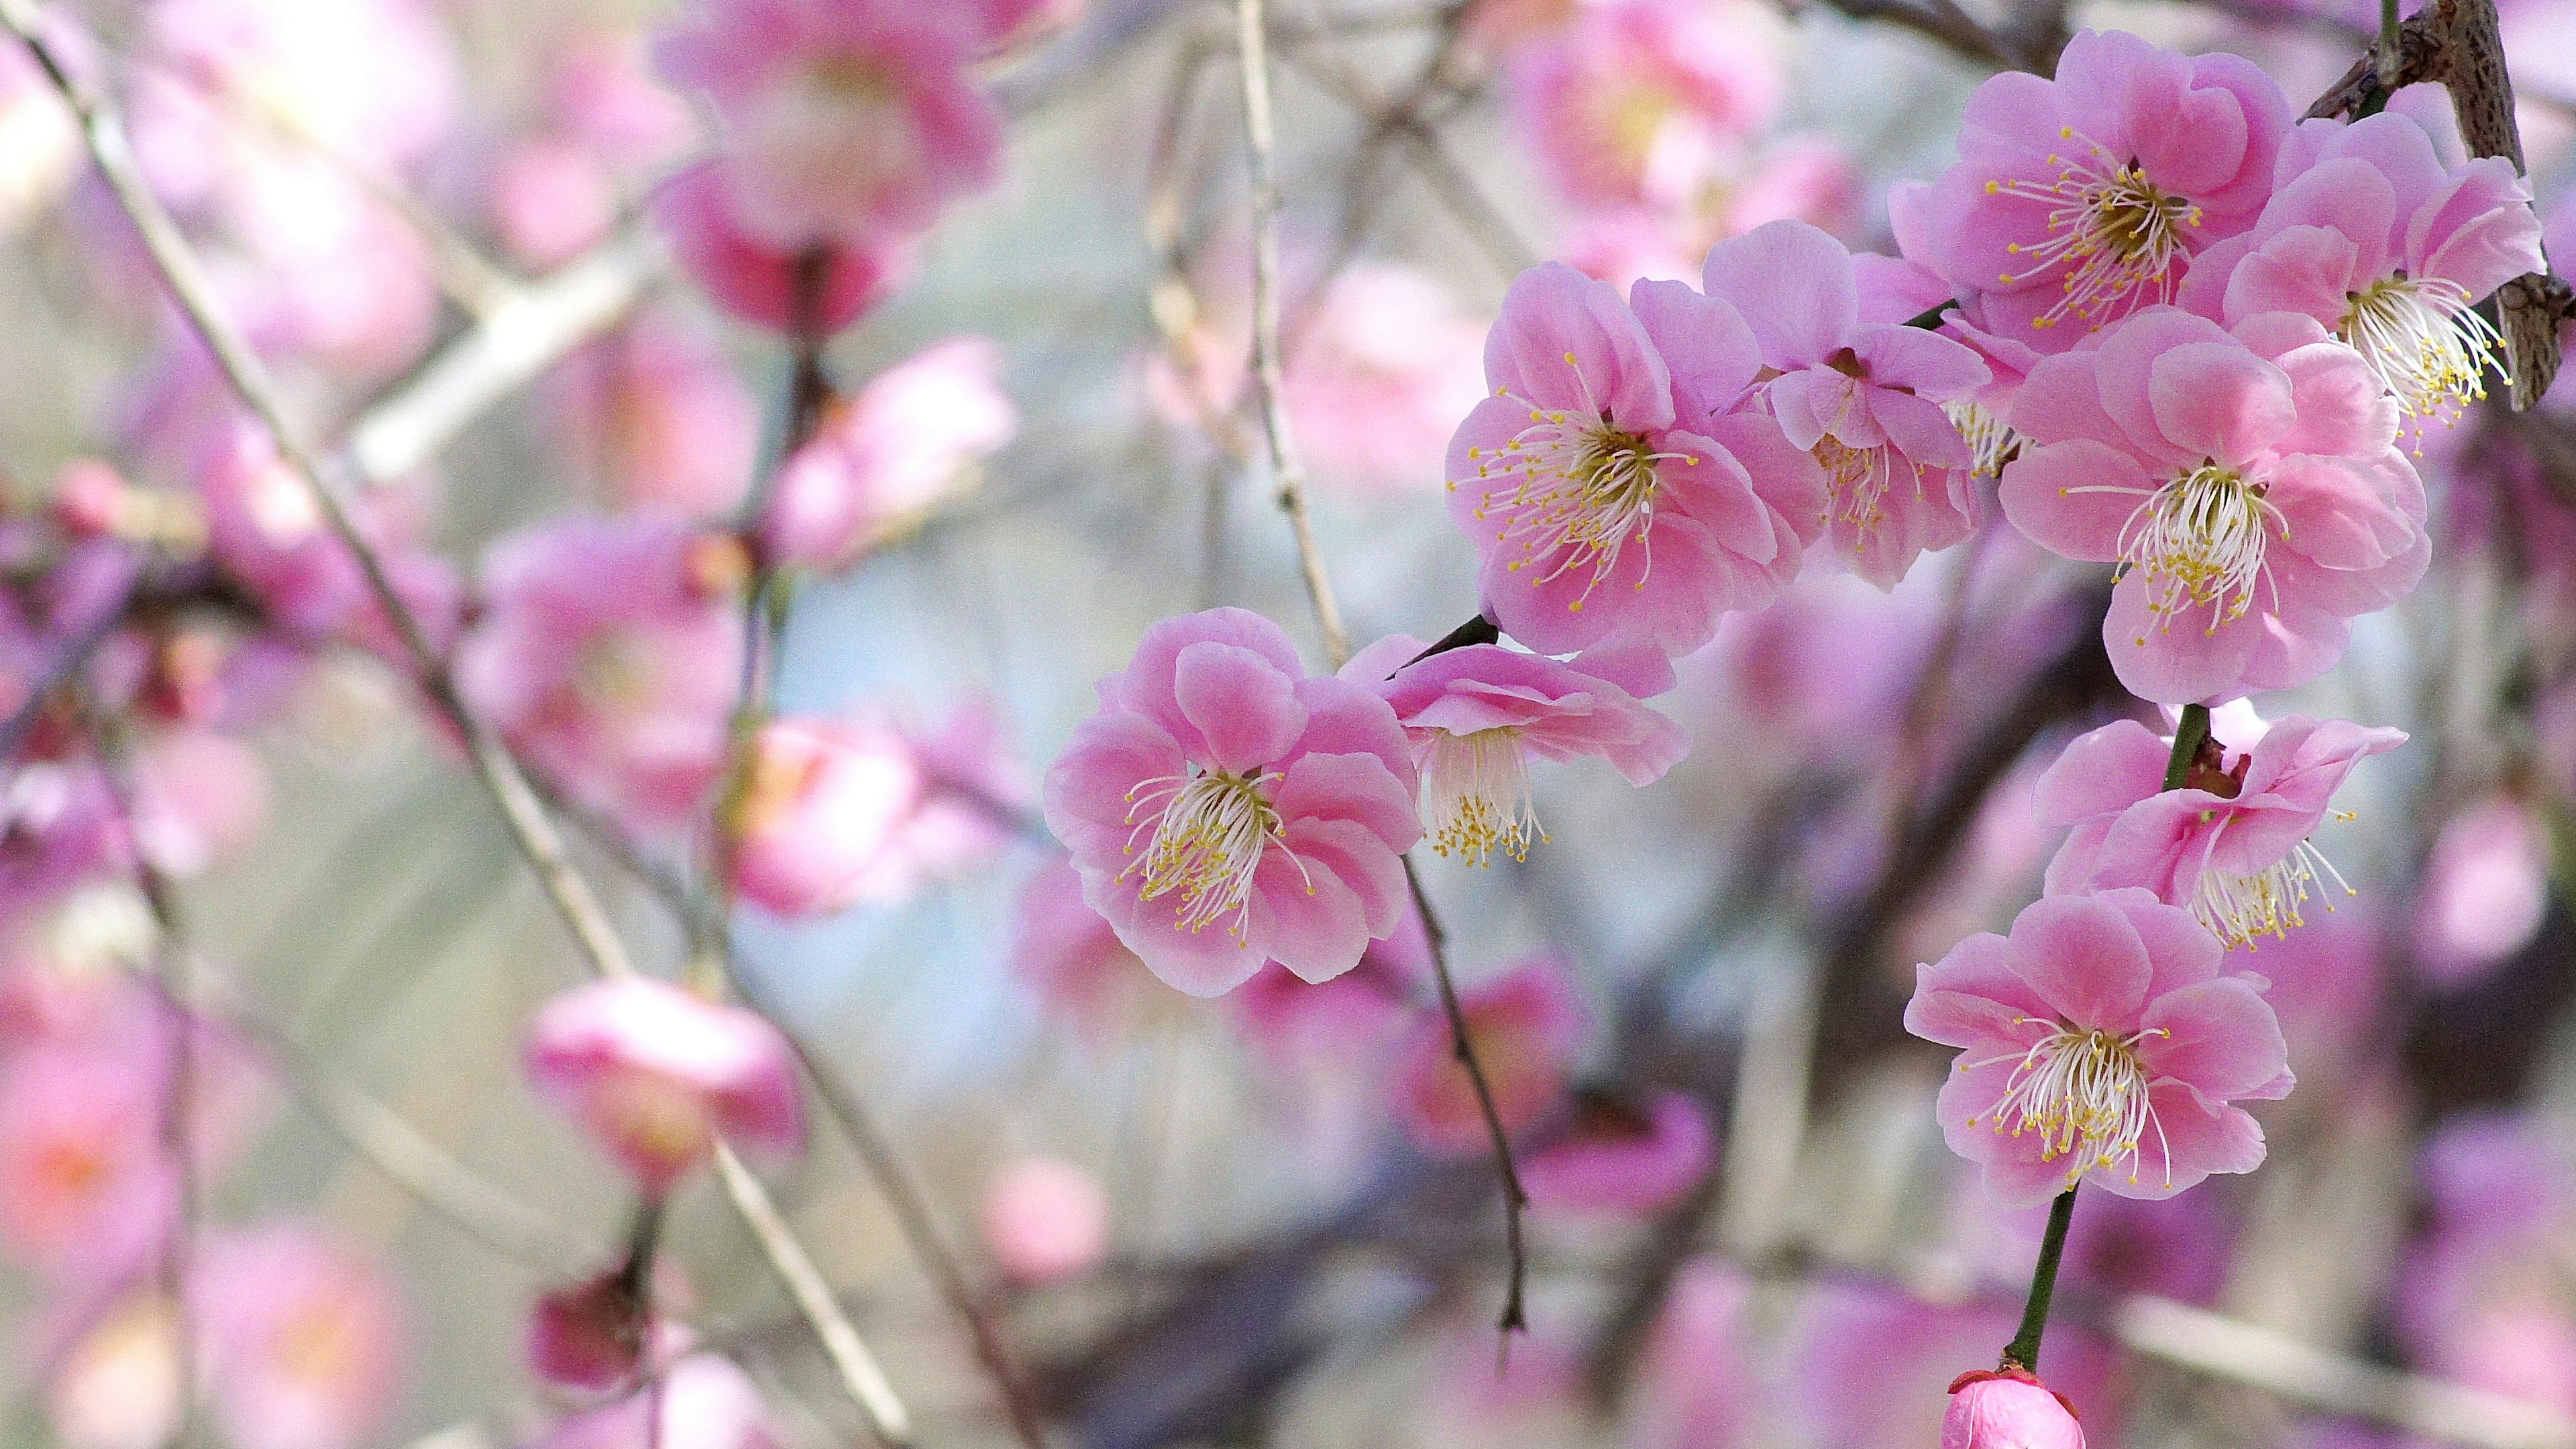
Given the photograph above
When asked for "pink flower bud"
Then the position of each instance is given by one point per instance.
(2008, 1410)
(655, 1075)
(1045, 1219)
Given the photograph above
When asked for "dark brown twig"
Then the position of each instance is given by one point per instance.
(1515, 1318)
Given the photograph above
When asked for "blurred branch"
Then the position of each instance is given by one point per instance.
(1941, 21)
(534, 833)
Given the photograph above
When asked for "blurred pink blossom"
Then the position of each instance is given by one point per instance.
(839, 813)
(199, 798)
(1526, 1026)
(1641, 100)
(655, 1074)
(705, 1402)
(884, 462)
(760, 283)
(658, 416)
(116, 1382)
(1697, 1378)
(551, 200)
(2484, 891)
(1045, 1219)
(609, 653)
(87, 1188)
(1071, 957)
(1388, 364)
(1621, 1159)
(304, 1337)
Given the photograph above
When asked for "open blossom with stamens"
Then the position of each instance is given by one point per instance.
(1476, 716)
(1864, 394)
(655, 1074)
(2231, 846)
(1227, 809)
(1611, 485)
(2100, 1043)
(2370, 234)
(1643, 101)
(842, 118)
(2248, 482)
(2078, 200)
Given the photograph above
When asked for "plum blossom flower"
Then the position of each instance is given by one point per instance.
(87, 1188)
(1045, 1219)
(1475, 716)
(2390, 250)
(1220, 785)
(705, 1402)
(2248, 482)
(2010, 1409)
(305, 1335)
(822, 289)
(835, 813)
(1863, 394)
(656, 414)
(1387, 364)
(2231, 846)
(842, 118)
(2078, 200)
(609, 652)
(879, 465)
(1611, 471)
(2101, 1044)
(2485, 890)
(1526, 1026)
(1622, 1158)
(1641, 100)
(656, 1074)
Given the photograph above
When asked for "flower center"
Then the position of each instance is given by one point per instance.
(1476, 796)
(2239, 908)
(1206, 834)
(2117, 234)
(1580, 491)
(2085, 1093)
(1857, 480)
(1990, 439)
(2427, 343)
(2199, 539)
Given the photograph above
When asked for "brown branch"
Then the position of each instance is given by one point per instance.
(1515, 1318)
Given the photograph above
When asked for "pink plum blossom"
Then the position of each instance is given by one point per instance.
(821, 289)
(1622, 1159)
(1388, 364)
(2249, 483)
(1350, 1020)
(705, 1402)
(656, 1074)
(1641, 100)
(2011, 1409)
(2078, 200)
(1864, 394)
(305, 1338)
(1696, 1377)
(1045, 1219)
(838, 813)
(2102, 1044)
(658, 418)
(842, 118)
(2388, 249)
(1474, 718)
(609, 653)
(87, 1187)
(882, 463)
(1611, 486)
(2484, 892)
(1526, 1025)
(1071, 956)
(2231, 846)
(588, 1334)
(40, 144)
(1220, 785)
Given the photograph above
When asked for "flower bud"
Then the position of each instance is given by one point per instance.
(2010, 1409)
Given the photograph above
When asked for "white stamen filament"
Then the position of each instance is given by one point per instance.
(1476, 796)
(2239, 908)
(1206, 833)
(2085, 1092)
(2427, 343)
(2200, 540)
(1989, 438)
(2117, 234)
(1585, 489)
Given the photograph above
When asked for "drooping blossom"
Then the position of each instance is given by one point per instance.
(2102, 1044)
(1526, 1025)
(655, 1074)
(823, 288)
(882, 463)
(704, 1402)
(2079, 200)
(2231, 846)
(1045, 1219)
(842, 119)
(2485, 890)
(1389, 362)
(1622, 1158)
(837, 812)
(1864, 393)
(305, 1338)
(657, 418)
(2388, 249)
(609, 653)
(2010, 1409)
(2249, 482)
(1474, 718)
(1222, 787)
(1610, 485)
(1642, 100)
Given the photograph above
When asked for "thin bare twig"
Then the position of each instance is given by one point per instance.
(1514, 1317)
(534, 833)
